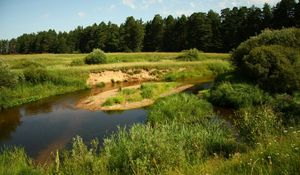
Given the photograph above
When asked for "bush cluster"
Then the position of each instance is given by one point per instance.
(237, 95)
(96, 57)
(271, 59)
(255, 124)
(190, 55)
(7, 77)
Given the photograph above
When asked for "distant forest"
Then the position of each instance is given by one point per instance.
(209, 32)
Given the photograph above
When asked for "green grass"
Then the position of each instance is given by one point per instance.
(146, 91)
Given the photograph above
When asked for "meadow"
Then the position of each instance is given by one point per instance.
(64, 77)
(184, 133)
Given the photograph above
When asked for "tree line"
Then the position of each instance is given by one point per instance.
(209, 32)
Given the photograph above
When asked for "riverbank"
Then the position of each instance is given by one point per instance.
(65, 77)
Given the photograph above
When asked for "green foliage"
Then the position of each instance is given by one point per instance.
(271, 59)
(81, 159)
(37, 75)
(274, 68)
(190, 55)
(237, 95)
(286, 37)
(114, 101)
(182, 108)
(100, 85)
(287, 108)
(96, 57)
(77, 62)
(27, 64)
(7, 77)
(15, 161)
(254, 124)
(279, 155)
(147, 150)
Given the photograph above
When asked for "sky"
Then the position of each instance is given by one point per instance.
(28, 16)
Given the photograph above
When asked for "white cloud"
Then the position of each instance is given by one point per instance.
(81, 14)
(129, 3)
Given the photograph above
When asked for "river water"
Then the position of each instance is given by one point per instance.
(50, 124)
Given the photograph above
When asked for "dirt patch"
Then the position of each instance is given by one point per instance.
(122, 76)
(95, 102)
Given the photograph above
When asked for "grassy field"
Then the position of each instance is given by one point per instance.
(69, 78)
(183, 134)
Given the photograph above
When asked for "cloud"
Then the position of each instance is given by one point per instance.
(81, 14)
(129, 3)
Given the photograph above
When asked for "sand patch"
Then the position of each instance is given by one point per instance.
(121, 76)
(95, 102)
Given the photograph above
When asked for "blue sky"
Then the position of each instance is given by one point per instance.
(27, 16)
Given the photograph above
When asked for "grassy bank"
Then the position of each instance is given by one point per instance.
(65, 77)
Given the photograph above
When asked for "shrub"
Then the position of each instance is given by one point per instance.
(15, 161)
(96, 57)
(80, 160)
(274, 68)
(271, 59)
(7, 77)
(37, 75)
(114, 101)
(147, 150)
(181, 108)
(287, 108)
(237, 95)
(255, 124)
(190, 55)
(77, 62)
(286, 37)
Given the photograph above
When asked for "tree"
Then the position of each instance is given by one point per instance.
(169, 34)
(199, 33)
(284, 14)
(216, 43)
(113, 38)
(154, 32)
(267, 16)
(180, 31)
(297, 15)
(132, 35)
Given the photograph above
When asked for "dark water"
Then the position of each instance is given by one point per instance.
(44, 126)
(47, 125)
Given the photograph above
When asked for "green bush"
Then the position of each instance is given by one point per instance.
(147, 150)
(96, 57)
(254, 124)
(286, 37)
(182, 108)
(7, 77)
(287, 108)
(77, 62)
(190, 55)
(37, 75)
(15, 161)
(271, 59)
(275, 68)
(80, 159)
(237, 95)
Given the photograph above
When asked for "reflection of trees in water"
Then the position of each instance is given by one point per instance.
(38, 108)
(9, 121)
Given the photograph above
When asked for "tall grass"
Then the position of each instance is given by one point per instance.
(182, 108)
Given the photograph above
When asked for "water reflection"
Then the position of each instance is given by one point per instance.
(9, 121)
